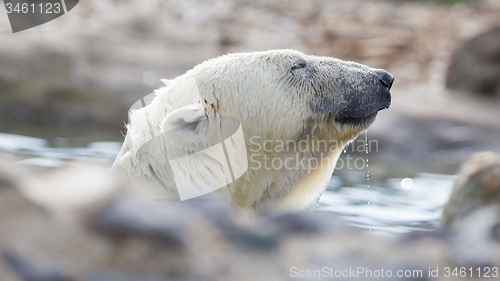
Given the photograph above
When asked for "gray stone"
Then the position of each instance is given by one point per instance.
(475, 239)
(121, 236)
(475, 66)
(477, 186)
(128, 215)
(29, 271)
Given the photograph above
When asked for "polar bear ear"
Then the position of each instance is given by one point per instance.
(186, 127)
(194, 128)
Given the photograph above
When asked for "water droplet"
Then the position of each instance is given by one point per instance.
(367, 171)
(366, 143)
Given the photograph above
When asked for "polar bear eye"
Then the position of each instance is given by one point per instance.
(299, 64)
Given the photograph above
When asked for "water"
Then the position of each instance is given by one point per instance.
(38, 152)
(389, 203)
(391, 208)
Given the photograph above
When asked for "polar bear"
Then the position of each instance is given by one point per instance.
(262, 130)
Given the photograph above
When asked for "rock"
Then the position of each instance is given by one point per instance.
(9, 176)
(477, 186)
(476, 239)
(475, 66)
(72, 191)
(89, 77)
(122, 276)
(293, 223)
(115, 234)
(431, 144)
(15, 211)
(29, 271)
(240, 234)
(42, 162)
(127, 215)
(81, 219)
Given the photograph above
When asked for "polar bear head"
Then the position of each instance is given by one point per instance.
(281, 92)
(279, 98)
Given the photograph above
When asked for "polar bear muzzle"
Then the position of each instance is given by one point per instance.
(363, 107)
(350, 92)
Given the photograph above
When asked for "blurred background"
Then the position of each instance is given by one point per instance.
(66, 86)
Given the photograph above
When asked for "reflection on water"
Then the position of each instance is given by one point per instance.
(385, 206)
(35, 151)
(389, 207)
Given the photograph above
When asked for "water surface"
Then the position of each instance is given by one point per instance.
(376, 203)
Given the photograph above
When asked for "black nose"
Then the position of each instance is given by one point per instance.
(386, 79)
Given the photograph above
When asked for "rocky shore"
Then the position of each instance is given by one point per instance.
(82, 223)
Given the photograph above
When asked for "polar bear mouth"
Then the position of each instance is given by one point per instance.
(357, 121)
(362, 116)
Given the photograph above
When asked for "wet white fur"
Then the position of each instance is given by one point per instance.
(245, 87)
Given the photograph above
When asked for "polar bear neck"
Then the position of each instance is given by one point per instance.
(310, 188)
(308, 163)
